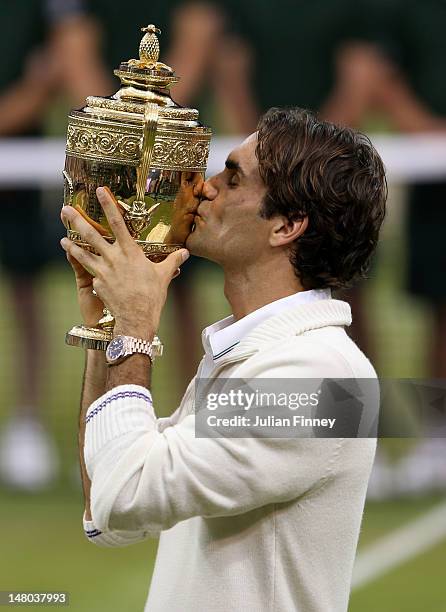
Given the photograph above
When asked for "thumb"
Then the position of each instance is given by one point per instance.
(174, 261)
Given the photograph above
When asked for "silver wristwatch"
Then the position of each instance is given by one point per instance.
(123, 346)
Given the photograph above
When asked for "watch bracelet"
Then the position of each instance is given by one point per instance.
(137, 345)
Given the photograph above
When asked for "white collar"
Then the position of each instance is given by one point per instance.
(221, 337)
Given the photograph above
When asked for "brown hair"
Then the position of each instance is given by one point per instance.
(332, 175)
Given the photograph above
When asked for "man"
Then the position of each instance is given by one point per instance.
(246, 523)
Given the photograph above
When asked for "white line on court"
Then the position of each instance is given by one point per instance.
(400, 546)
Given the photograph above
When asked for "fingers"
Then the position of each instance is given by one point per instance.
(101, 230)
(78, 269)
(83, 277)
(83, 257)
(173, 262)
(88, 233)
(114, 216)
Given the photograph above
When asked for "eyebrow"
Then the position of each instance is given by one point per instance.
(231, 164)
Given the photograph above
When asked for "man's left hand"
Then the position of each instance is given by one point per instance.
(133, 288)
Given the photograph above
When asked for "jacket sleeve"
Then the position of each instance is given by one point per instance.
(148, 474)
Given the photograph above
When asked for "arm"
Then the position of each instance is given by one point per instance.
(93, 387)
(71, 59)
(196, 30)
(366, 80)
(407, 112)
(95, 367)
(136, 299)
(232, 84)
(202, 49)
(75, 42)
(22, 104)
(146, 480)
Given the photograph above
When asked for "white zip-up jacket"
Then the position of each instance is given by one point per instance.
(245, 524)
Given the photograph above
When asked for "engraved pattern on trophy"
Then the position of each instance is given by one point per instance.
(97, 142)
(151, 154)
(186, 154)
(182, 149)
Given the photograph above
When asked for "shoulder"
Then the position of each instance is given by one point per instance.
(324, 352)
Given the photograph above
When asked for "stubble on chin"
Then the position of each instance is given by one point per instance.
(190, 244)
(196, 245)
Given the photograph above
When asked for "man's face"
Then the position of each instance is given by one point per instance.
(228, 228)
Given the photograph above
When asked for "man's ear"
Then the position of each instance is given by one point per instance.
(284, 231)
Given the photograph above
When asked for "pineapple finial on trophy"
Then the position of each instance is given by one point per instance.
(149, 51)
(149, 47)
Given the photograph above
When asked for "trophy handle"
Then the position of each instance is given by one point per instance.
(150, 125)
(137, 217)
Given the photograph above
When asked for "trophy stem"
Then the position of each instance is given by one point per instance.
(107, 322)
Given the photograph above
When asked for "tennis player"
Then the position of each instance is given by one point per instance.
(257, 523)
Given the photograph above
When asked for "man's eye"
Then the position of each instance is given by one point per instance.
(233, 182)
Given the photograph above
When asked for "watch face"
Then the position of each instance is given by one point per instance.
(115, 349)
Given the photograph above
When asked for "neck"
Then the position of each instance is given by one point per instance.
(253, 287)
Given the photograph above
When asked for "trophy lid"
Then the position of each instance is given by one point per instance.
(143, 80)
(112, 129)
(147, 69)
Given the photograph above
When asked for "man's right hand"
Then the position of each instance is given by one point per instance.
(90, 305)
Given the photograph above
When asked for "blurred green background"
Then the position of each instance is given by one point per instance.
(58, 52)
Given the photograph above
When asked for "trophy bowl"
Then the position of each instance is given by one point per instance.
(150, 152)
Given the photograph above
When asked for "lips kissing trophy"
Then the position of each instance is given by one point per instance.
(149, 151)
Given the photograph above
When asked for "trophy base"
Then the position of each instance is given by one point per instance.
(89, 337)
(98, 339)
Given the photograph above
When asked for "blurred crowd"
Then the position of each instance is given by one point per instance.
(362, 63)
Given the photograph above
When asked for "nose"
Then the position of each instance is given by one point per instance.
(209, 190)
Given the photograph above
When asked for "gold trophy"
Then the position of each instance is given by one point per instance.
(149, 151)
